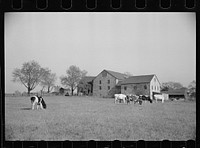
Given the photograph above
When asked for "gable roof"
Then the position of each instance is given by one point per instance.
(87, 79)
(138, 79)
(117, 75)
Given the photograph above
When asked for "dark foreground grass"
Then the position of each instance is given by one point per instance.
(89, 118)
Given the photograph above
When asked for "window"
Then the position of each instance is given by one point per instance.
(155, 87)
(135, 87)
(99, 81)
(108, 81)
(125, 87)
(108, 87)
(152, 87)
(145, 86)
(154, 79)
(99, 87)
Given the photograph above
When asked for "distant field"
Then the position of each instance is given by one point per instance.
(88, 118)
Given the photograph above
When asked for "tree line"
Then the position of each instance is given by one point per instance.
(31, 74)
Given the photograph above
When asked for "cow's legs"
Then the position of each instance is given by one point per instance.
(41, 106)
(124, 100)
(115, 99)
(33, 105)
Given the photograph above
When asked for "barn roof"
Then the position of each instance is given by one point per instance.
(117, 75)
(138, 79)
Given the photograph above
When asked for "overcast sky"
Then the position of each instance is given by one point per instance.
(140, 43)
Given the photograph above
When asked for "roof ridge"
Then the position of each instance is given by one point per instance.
(117, 75)
(144, 75)
(113, 71)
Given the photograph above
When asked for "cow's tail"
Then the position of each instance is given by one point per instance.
(43, 103)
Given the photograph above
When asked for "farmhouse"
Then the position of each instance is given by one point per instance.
(85, 85)
(105, 83)
(141, 85)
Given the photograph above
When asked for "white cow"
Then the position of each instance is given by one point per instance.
(120, 97)
(159, 97)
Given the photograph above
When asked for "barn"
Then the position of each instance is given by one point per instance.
(141, 85)
(105, 83)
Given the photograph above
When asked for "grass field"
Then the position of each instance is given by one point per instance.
(88, 118)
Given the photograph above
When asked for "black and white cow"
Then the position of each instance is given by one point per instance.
(39, 101)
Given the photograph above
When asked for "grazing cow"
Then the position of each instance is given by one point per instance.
(128, 99)
(132, 98)
(138, 100)
(159, 97)
(39, 101)
(120, 97)
(145, 98)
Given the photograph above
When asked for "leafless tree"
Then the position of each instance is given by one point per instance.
(74, 75)
(29, 75)
(171, 85)
(48, 80)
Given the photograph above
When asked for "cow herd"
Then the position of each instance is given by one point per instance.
(39, 101)
(128, 98)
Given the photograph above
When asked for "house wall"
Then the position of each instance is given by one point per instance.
(138, 89)
(104, 91)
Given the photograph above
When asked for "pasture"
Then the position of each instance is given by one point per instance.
(90, 118)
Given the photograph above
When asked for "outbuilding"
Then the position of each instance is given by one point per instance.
(85, 85)
(176, 94)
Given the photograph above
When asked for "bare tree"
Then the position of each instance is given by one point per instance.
(48, 80)
(171, 86)
(74, 75)
(29, 75)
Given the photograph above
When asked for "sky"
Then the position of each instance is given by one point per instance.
(139, 43)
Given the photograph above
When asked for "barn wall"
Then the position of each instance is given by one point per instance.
(154, 85)
(138, 89)
(104, 92)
